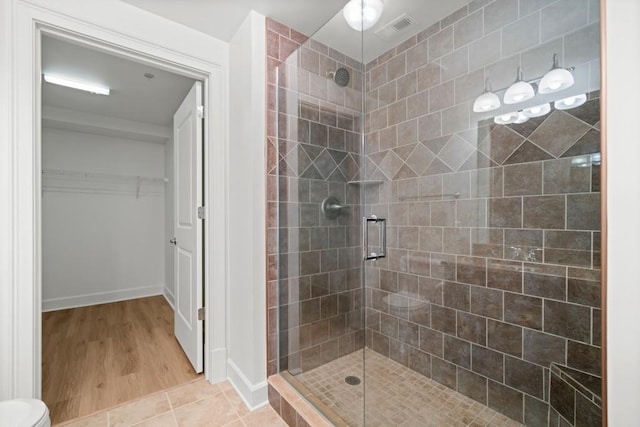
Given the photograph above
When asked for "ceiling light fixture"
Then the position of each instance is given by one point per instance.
(519, 92)
(506, 119)
(488, 101)
(537, 110)
(521, 119)
(75, 84)
(362, 14)
(570, 102)
(555, 80)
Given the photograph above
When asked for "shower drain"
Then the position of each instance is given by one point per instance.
(351, 380)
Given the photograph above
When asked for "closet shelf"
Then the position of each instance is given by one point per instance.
(71, 174)
(71, 181)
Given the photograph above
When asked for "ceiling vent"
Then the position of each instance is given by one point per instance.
(396, 26)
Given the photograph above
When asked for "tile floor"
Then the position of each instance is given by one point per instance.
(395, 396)
(195, 404)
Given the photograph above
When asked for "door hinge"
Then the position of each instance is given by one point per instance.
(202, 214)
(201, 313)
(200, 111)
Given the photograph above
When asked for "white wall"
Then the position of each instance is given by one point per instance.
(111, 24)
(102, 246)
(169, 232)
(7, 205)
(246, 177)
(623, 205)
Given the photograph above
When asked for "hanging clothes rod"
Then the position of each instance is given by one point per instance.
(92, 176)
(70, 181)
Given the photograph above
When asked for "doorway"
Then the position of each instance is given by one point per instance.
(120, 182)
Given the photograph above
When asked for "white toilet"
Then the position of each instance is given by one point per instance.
(24, 413)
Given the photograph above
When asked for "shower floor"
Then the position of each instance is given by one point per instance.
(395, 396)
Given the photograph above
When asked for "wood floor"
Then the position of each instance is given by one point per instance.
(99, 356)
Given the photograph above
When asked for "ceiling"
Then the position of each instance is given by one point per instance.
(133, 96)
(136, 98)
(221, 18)
(370, 44)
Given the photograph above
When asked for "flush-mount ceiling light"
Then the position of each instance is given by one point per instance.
(537, 111)
(75, 84)
(506, 119)
(488, 101)
(362, 14)
(570, 102)
(555, 80)
(518, 92)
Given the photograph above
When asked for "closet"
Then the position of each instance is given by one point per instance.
(104, 219)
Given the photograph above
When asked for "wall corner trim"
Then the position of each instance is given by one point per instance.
(253, 395)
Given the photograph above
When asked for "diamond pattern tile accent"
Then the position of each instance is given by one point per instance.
(420, 158)
(311, 173)
(559, 132)
(528, 152)
(284, 169)
(588, 144)
(437, 144)
(475, 136)
(337, 176)
(404, 151)
(391, 164)
(477, 160)
(589, 112)
(378, 157)
(325, 164)
(527, 128)
(456, 152)
(349, 168)
(437, 167)
(298, 160)
(312, 150)
(338, 156)
(405, 172)
(500, 144)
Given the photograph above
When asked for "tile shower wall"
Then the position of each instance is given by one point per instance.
(492, 269)
(313, 149)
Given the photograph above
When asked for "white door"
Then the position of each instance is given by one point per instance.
(187, 137)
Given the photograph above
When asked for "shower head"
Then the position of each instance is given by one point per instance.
(340, 76)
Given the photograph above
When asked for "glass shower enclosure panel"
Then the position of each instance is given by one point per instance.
(439, 224)
(319, 140)
(486, 303)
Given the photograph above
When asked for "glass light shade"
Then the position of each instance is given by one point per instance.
(362, 14)
(537, 110)
(518, 92)
(506, 119)
(521, 119)
(488, 101)
(570, 102)
(556, 80)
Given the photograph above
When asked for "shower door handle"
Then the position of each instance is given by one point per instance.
(382, 222)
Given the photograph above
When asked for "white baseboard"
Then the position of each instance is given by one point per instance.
(168, 295)
(100, 298)
(253, 395)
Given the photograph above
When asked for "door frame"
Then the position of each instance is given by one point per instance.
(29, 24)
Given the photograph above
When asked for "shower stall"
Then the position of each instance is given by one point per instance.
(434, 213)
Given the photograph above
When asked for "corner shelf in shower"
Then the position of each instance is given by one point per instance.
(365, 183)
